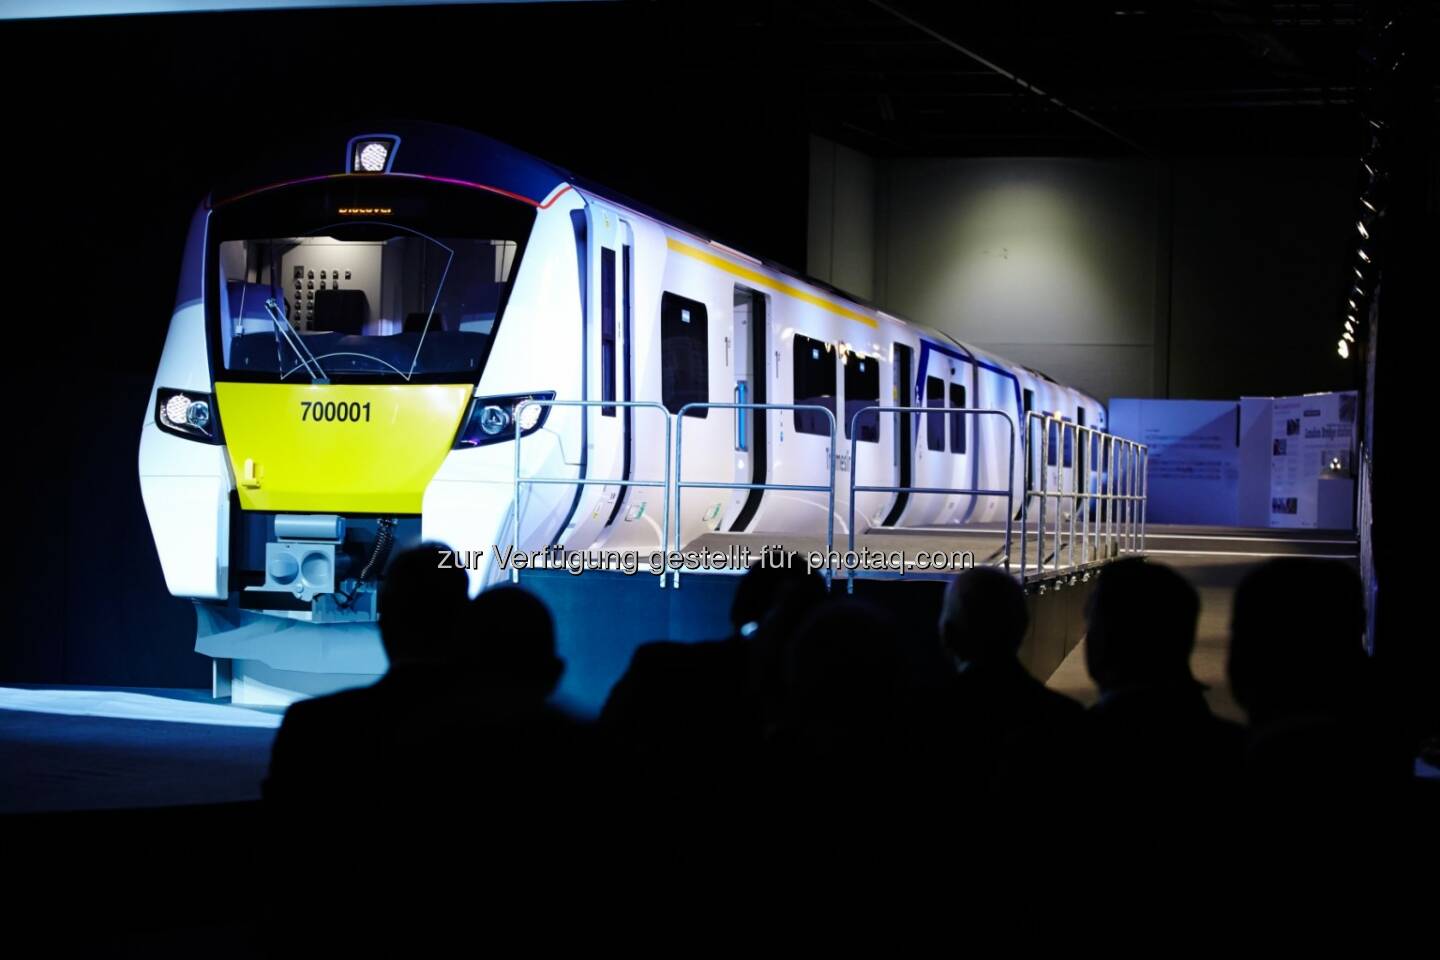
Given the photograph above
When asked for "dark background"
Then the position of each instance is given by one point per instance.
(116, 127)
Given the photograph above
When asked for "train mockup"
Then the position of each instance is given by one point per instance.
(355, 335)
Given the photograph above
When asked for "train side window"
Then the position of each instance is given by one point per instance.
(1069, 432)
(935, 422)
(607, 328)
(814, 383)
(957, 422)
(684, 354)
(1027, 404)
(862, 389)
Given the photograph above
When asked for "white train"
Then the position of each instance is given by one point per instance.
(352, 337)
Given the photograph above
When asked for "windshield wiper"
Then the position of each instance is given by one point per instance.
(296, 341)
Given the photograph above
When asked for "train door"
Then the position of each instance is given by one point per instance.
(606, 452)
(902, 394)
(747, 343)
(872, 464)
(991, 443)
(961, 429)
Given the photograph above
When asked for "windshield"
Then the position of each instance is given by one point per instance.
(375, 288)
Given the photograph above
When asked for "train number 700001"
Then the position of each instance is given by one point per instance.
(329, 411)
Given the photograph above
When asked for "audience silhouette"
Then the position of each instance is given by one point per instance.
(1298, 667)
(353, 748)
(460, 718)
(809, 699)
(1152, 732)
(844, 694)
(991, 700)
(694, 715)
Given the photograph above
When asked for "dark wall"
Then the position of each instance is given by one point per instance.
(1193, 278)
(116, 127)
(1259, 266)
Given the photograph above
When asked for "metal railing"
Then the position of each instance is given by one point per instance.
(681, 484)
(1104, 479)
(1008, 493)
(664, 484)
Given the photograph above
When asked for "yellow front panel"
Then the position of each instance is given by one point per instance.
(338, 448)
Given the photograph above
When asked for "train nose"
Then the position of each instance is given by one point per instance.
(328, 448)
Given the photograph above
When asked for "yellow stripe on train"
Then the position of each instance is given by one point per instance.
(338, 448)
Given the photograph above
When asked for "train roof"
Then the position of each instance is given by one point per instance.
(454, 153)
(441, 151)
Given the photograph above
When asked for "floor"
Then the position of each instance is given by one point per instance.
(103, 748)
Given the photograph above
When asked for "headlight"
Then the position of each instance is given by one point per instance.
(187, 414)
(492, 419)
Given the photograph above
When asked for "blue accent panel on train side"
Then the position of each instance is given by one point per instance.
(967, 357)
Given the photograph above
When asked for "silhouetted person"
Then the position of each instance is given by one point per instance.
(1151, 733)
(991, 698)
(844, 723)
(508, 647)
(376, 744)
(694, 713)
(1298, 667)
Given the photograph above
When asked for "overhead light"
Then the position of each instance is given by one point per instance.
(1352, 305)
(1349, 336)
(1364, 202)
(372, 157)
(1360, 226)
(1349, 327)
(1359, 276)
(372, 154)
(1364, 256)
(1344, 349)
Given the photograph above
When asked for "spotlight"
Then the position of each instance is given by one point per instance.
(372, 157)
(177, 409)
(372, 154)
(1343, 349)
(1360, 226)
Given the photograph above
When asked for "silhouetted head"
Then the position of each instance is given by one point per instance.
(419, 605)
(1140, 626)
(845, 675)
(509, 643)
(984, 617)
(764, 589)
(1296, 629)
